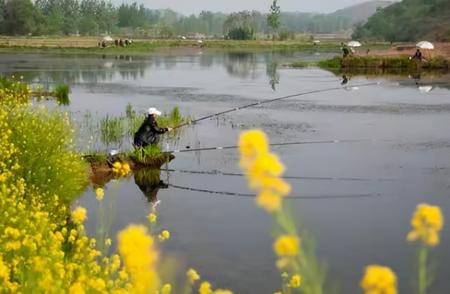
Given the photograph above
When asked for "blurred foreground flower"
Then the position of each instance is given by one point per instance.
(192, 275)
(379, 280)
(263, 170)
(426, 224)
(140, 257)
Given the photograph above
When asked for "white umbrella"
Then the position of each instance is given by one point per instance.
(425, 89)
(199, 41)
(425, 45)
(108, 39)
(354, 44)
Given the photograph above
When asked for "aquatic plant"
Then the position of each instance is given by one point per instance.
(384, 62)
(61, 93)
(112, 130)
(299, 64)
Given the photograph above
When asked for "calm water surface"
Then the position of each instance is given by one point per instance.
(355, 198)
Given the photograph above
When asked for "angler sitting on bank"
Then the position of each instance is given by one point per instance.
(148, 133)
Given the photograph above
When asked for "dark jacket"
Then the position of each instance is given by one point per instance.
(148, 132)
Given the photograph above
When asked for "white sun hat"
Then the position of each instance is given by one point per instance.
(153, 110)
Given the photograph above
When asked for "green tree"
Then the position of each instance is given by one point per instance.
(2, 8)
(19, 17)
(273, 19)
(239, 26)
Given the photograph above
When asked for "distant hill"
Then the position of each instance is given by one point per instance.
(409, 20)
(360, 13)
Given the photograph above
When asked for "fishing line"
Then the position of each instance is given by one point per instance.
(269, 101)
(248, 195)
(188, 149)
(220, 173)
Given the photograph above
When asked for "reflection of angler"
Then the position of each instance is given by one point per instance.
(149, 182)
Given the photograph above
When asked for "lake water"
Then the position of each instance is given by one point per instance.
(355, 198)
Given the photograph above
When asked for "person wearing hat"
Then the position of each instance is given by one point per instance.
(148, 133)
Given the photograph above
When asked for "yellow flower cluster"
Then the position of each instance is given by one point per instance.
(79, 215)
(164, 235)
(287, 246)
(263, 170)
(205, 288)
(121, 169)
(140, 257)
(152, 217)
(426, 223)
(192, 276)
(99, 194)
(379, 280)
(295, 282)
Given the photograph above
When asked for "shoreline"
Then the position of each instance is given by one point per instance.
(89, 45)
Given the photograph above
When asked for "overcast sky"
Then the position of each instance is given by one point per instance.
(195, 6)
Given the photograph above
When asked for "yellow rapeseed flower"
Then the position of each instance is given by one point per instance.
(287, 246)
(79, 215)
(164, 235)
(166, 289)
(295, 282)
(152, 217)
(76, 288)
(221, 291)
(140, 257)
(426, 222)
(205, 288)
(252, 144)
(192, 275)
(99, 193)
(379, 280)
(269, 201)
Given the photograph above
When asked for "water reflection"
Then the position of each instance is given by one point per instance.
(72, 69)
(149, 182)
(272, 71)
(241, 64)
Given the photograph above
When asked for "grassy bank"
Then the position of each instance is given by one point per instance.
(384, 62)
(89, 45)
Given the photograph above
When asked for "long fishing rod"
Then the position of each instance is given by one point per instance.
(288, 177)
(188, 149)
(248, 195)
(269, 101)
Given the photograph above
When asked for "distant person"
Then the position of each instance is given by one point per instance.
(368, 51)
(104, 44)
(121, 43)
(149, 132)
(116, 42)
(345, 51)
(344, 80)
(418, 55)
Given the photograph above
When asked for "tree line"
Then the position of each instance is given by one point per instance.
(94, 17)
(409, 20)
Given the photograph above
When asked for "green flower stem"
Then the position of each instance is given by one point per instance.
(422, 273)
